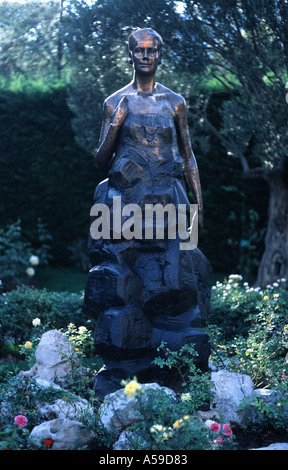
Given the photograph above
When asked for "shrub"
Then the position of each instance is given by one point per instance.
(163, 423)
(232, 303)
(195, 384)
(259, 348)
(21, 306)
(17, 257)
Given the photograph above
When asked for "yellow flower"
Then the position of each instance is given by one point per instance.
(28, 345)
(265, 297)
(275, 296)
(157, 428)
(278, 404)
(161, 433)
(131, 388)
(178, 424)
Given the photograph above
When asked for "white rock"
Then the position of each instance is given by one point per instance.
(278, 446)
(65, 434)
(119, 410)
(63, 409)
(230, 388)
(47, 383)
(54, 356)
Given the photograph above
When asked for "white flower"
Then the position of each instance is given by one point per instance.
(36, 322)
(30, 271)
(185, 397)
(82, 329)
(236, 276)
(34, 260)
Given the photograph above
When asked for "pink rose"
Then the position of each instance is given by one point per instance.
(215, 427)
(227, 431)
(21, 421)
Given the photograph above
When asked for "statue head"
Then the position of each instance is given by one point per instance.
(145, 37)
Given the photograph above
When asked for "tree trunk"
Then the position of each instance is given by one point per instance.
(274, 262)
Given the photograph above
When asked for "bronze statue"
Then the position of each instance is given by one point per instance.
(144, 291)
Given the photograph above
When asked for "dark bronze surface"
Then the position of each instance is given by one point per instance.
(143, 95)
(143, 292)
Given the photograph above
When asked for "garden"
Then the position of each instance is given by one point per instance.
(249, 335)
(59, 61)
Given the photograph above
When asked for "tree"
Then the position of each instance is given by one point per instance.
(244, 45)
(31, 40)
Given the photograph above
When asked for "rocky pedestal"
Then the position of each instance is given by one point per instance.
(142, 293)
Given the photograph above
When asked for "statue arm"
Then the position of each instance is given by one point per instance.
(112, 122)
(190, 164)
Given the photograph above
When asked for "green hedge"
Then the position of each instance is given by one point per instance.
(44, 174)
(54, 309)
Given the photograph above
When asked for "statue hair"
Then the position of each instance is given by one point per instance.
(150, 31)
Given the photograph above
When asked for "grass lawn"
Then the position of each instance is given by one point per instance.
(73, 280)
(61, 279)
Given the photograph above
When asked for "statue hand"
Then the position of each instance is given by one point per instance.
(120, 112)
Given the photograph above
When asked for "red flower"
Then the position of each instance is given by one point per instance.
(48, 442)
(215, 427)
(227, 430)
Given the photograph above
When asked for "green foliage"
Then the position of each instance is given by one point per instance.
(232, 302)
(17, 257)
(30, 38)
(194, 382)
(269, 413)
(259, 343)
(163, 423)
(20, 307)
(257, 346)
(167, 422)
(19, 397)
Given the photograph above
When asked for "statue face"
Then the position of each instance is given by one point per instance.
(145, 54)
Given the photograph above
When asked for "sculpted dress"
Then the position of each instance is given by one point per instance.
(145, 291)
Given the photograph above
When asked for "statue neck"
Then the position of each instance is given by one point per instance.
(144, 84)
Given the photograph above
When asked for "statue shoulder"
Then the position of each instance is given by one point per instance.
(112, 101)
(176, 100)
